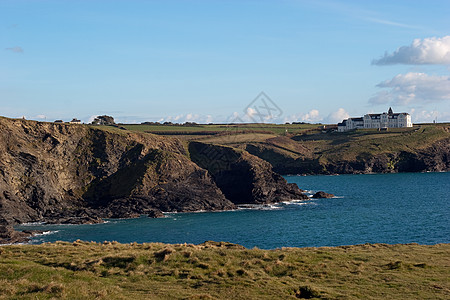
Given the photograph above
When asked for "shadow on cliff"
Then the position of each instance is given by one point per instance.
(121, 183)
(242, 177)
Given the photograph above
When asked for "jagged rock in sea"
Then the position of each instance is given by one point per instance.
(322, 194)
(10, 236)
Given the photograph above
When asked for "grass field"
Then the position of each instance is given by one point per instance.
(270, 128)
(83, 270)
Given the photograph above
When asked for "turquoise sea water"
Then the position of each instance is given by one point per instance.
(375, 208)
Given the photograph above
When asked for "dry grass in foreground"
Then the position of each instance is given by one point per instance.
(83, 270)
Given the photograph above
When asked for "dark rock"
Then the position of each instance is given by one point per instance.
(434, 158)
(10, 236)
(242, 177)
(321, 194)
(60, 173)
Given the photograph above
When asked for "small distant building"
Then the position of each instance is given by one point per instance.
(379, 121)
(59, 121)
(75, 121)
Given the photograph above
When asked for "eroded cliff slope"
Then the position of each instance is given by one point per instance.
(69, 173)
(242, 177)
(420, 149)
(76, 174)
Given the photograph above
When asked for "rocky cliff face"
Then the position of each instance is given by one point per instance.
(69, 173)
(242, 177)
(78, 174)
(435, 158)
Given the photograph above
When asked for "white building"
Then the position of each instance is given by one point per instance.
(384, 120)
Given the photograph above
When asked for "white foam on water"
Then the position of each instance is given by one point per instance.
(259, 207)
(15, 244)
(33, 224)
(303, 203)
(47, 232)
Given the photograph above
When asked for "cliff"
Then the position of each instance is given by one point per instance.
(423, 149)
(79, 174)
(242, 177)
(69, 173)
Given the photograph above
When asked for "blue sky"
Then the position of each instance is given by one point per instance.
(205, 61)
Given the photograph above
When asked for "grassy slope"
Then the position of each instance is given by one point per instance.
(369, 142)
(349, 146)
(304, 145)
(274, 128)
(346, 145)
(82, 270)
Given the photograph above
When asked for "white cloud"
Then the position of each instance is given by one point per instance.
(413, 88)
(337, 116)
(428, 116)
(251, 112)
(190, 117)
(313, 116)
(434, 51)
(16, 49)
(42, 117)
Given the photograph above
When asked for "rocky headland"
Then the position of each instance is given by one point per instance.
(424, 149)
(243, 178)
(70, 173)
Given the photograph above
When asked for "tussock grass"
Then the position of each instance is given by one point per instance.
(109, 270)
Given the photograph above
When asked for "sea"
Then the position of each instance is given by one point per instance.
(369, 208)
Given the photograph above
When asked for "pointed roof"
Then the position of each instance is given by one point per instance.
(390, 112)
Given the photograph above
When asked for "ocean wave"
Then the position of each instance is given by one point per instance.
(259, 206)
(303, 203)
(33, 224)
(13, 244)
(168, 214)
(47, 232)
(299, 202)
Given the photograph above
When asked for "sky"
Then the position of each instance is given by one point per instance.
(224, 61)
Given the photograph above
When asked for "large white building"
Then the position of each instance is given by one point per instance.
(384, 120)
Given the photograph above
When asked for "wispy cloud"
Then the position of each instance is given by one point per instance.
(15, 49)
(432, 50)
(390, 23)
(410, 88)
(356, 12)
